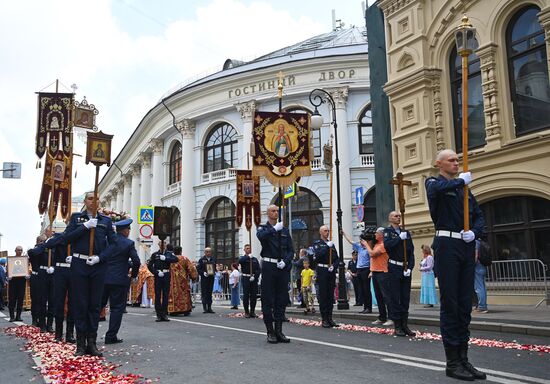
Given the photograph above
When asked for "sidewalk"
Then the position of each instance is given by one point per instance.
(526, 320)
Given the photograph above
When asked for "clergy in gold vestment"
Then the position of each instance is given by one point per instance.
(179, 299)
(144, 275)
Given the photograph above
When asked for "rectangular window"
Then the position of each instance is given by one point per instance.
(366, 146)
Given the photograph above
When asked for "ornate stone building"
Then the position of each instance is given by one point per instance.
(508, 104)
(190, 165)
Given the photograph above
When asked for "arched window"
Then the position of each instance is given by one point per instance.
(528, 71)
(307, 218)
(175, 164)
(365, 132)
(476, 118)
(221, 148)
(518, 227)
(315, 133)
(221, 232)
(369, 205)
(175, 236)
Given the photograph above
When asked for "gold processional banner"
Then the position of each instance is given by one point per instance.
(54, 138)
(282, 147)
(248, 198)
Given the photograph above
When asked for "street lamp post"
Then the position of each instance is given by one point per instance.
(318, 97)
(465, 37)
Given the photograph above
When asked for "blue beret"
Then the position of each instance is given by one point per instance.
(123, 223)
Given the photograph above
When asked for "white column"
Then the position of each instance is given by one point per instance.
(157, 181)
(120, 196)
(247, 115)
(135, 200)
(187, 205)
(340, 97)
(127, 194)
(145, 191)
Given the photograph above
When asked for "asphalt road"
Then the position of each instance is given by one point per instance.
(219, 349)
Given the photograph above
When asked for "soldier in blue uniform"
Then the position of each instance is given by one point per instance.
(454, 251)
(277, 253)
(206, 268)
(326, 260)
(59, 249)
(159, 265)
(395, 240)
(116, 279)
(43, 288)
(88, 272)
(250, 272)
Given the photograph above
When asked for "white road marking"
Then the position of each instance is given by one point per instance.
(400, 357)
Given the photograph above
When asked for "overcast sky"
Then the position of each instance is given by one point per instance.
(123, 55)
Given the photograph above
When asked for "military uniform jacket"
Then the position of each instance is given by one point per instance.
(244, 262)
(394, 246)
(117, 261)
(156, 264)
(201, 266)
(276, 245)
(79, 236)
(352, 266)
(58, 245)
(322, 254)
(446, 202)
(38, 256)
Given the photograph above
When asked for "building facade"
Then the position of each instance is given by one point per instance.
(185, 151)
(508, 100)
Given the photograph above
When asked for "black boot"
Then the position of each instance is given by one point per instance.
(92, 347)
(324, 321)
(463, 353)
(406, 328)
(281, 338)
(69, 336)
(12, 316)
(271, 337)
(18, 316)
(42, 325)
(210, 309)
(204, 308)
(159, 316)
(398, 328)
(49, 325)
(246, 311)
(454, 367)
(59, 329)
(80, 344)
(330, 321)
(253, 311)
(165, 316)
(34, 321)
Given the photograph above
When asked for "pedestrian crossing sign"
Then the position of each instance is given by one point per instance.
(290, 191)
(145, 214)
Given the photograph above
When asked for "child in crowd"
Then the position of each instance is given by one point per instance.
(307, 295)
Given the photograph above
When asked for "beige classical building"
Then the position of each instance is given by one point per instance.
(508, 112)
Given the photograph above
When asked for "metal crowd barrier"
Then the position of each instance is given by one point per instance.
(525, 277)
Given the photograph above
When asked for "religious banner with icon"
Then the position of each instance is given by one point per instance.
(282, 144)
(98, 149)
(18, 266)
(57, 177)
(84, 115)
(162, 226)
(248, 199)
(54, 123)
(54, 139)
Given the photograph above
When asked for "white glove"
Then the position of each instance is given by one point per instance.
(9, 278)
(160, 274)
(162, 257)
(403, 235)
(92, 260)
(331, 268)
(281, 264)
(92, 223)
(466, 176)
(407, 273)
(68, 259)
(252, 279)
(50, 270)
(205, 274)
(278, 226)
(468, 236)
(330, 243)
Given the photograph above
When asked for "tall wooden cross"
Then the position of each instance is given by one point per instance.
(400, 181)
